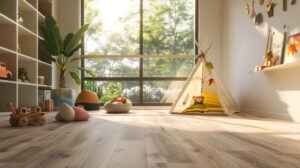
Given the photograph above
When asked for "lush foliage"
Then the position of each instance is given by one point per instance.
(62, 51)
(168, 29)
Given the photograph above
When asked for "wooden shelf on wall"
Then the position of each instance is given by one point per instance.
(280, 67)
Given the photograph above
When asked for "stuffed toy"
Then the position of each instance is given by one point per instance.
(75, 113)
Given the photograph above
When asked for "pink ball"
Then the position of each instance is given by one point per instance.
(58, 117)
(80, 114)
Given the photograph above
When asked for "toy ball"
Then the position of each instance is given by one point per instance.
(67, 113)
(89, 100)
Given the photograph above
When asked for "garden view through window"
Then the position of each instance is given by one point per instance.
(139, 27)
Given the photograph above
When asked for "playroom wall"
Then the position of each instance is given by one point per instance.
(68, 15)
(271, 94)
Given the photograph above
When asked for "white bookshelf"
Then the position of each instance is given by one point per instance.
(33, 55)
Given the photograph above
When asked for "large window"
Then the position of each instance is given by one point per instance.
(121, 28)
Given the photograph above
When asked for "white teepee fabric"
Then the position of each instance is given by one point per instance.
(194, 87)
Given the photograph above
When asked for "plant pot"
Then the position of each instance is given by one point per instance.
(63, 95)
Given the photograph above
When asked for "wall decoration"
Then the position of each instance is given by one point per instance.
(283, 45)
(253, 14)
(247, 11)
(293, 2)
(293, 49)
(259, 19)
(270, 8)
(20, 18)
(284, 5)
(261, 2)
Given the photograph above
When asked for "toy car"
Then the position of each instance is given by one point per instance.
(4, 72)
(25, 116)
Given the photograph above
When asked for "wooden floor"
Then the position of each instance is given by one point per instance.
(152, 139)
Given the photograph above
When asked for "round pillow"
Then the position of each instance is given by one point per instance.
(67, 113)
(88, 99)
(81, 114)
(118, 108)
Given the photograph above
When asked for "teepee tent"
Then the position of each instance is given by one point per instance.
(204, 82)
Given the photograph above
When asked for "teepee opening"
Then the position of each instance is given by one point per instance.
(204, 91)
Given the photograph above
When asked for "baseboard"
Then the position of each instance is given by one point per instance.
(269, 114)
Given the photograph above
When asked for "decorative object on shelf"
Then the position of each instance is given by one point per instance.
(197, 100)
(63, 95)
(4, 72)
(259, 19)
(247, 10)
(293, 48)
(62, 53)
(23, 74)
(293, 2)
(270, 8)
(261, 2)
(41, 80)
(118, 105)
(20, 18)
(44, 95)
(284, 41)
(284, 5)
(19, 49)
(253, 14)
(66, 114)
(24, 116)
(47, 105)
(268, 57)
(88, 99)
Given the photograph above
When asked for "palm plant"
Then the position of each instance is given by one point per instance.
(62, 51)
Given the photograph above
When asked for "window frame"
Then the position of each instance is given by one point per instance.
(141, 77)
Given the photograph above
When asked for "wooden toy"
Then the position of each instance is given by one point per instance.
(47, 105)
(4, 72)
(24, 116)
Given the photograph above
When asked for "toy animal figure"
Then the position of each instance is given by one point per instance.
(293, 2)
(24, 116)
(197, 100)
(270, 8)
(261, 2)
(23, 74)
(268, 57)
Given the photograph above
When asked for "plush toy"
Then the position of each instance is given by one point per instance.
(74, 113)
(23, 74)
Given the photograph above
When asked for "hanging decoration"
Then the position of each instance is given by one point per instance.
(261, 2)
(270, 8)
(259, 19)
(247, 11)
(253, 14)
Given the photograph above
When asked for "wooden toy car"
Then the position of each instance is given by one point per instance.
(25, 116)
(4, 72)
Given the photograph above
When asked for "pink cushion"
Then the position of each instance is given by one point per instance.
(80, 114)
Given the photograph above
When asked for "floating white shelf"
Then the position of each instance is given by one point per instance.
(280, 67)
(6, 50)
(7, 81)
(28, 84)
(6, 20)
(45, 63)
(25, 32)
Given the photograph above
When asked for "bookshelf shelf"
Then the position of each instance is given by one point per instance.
(25, 36)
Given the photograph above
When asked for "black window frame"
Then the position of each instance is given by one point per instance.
(141, 77)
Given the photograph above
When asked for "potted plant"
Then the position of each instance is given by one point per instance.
(62, 55)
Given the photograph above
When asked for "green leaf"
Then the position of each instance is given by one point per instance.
(74, 50)
(75, 39)
(75, 77)
(86, 70)
(67, 39)
(209, 65)
(54, 33)
(48, 46)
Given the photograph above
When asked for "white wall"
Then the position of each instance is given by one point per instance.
(210, 27)
(68, 15)
(272, 94)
